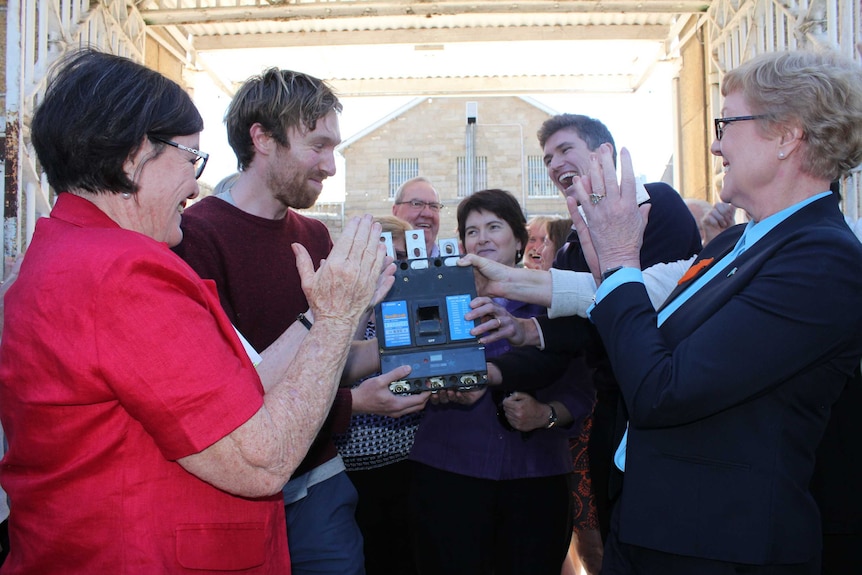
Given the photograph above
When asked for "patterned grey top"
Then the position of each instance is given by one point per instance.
(373, 441)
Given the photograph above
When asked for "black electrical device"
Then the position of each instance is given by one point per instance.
(421, 323)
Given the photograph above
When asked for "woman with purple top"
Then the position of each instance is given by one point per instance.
(486, 498)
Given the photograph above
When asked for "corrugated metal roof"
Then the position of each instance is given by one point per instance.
(461, 21)
(373, 45)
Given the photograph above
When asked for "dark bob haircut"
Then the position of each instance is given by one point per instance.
(97, 110)
(500, 203)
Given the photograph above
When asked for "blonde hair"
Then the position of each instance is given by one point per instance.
(539, 221)
(394, 225)
(820, 90)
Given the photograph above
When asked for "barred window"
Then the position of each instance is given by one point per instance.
(538, 182)
(465, 184)
(401, 170)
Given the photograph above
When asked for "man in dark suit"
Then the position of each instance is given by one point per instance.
(567, 140)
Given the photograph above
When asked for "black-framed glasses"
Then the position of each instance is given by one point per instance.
(420, 205)
(200, 163)
(721, 123)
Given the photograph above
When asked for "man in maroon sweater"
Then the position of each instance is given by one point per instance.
(283, 127)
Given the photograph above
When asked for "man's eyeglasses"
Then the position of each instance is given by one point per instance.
(721, 123)
(420, 205)
(200, 163)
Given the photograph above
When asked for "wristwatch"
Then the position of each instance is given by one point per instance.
(552, 418)
(610, 271)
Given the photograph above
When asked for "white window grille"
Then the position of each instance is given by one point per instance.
(466, 183)
(401, 170)
(539, 185)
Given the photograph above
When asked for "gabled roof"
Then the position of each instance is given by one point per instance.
(384, 120)
(415, 102)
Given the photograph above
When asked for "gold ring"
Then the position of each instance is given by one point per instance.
(499, 323)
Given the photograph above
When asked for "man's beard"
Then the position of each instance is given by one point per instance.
(294, 193)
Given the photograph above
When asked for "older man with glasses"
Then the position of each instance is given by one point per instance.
(417, 202)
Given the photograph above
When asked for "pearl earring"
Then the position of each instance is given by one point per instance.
(780, 155)
(126, 195)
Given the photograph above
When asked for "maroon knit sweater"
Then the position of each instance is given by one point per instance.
(254, 268)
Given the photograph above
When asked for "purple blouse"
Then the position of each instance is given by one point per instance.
(471, 440)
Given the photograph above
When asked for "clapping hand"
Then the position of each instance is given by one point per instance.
(613, 217)
(342, 288)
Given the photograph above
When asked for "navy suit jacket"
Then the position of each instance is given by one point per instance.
(730, 397)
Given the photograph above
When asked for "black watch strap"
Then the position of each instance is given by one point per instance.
(610, 271)
(552, 418)
(304, 321)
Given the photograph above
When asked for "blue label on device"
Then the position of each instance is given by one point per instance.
(396, 324)
(457, 306)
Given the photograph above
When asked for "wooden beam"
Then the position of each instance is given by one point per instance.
(293, 11)
(431, 36)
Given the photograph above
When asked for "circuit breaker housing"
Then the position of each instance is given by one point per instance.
(421, 323)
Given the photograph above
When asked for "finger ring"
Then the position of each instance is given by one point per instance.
(596, 198)
(499, 323)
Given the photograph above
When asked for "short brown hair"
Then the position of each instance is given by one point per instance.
(277, 100)
(591, 131)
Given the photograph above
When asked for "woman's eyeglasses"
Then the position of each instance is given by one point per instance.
(201, 161)
(721, 123)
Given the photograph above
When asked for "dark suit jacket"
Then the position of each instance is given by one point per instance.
(729, 398)
(837, 481)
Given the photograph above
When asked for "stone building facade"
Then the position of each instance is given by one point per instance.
(431, 137)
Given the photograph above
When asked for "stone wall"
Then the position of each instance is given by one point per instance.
(434, 131)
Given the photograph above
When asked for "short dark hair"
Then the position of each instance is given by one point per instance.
(277, 100)
(97, 110)
(591, 131)
(500, 203)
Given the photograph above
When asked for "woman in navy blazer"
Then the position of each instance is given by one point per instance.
(729, 385)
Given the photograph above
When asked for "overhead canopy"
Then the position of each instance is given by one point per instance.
(397, 47)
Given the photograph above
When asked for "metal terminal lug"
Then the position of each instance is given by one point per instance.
(436, 383)
(415, 240)
(399, 387)
(469, 380)
(448, 247)
(386, 239)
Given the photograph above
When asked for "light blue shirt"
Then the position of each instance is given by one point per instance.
(754, 231)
